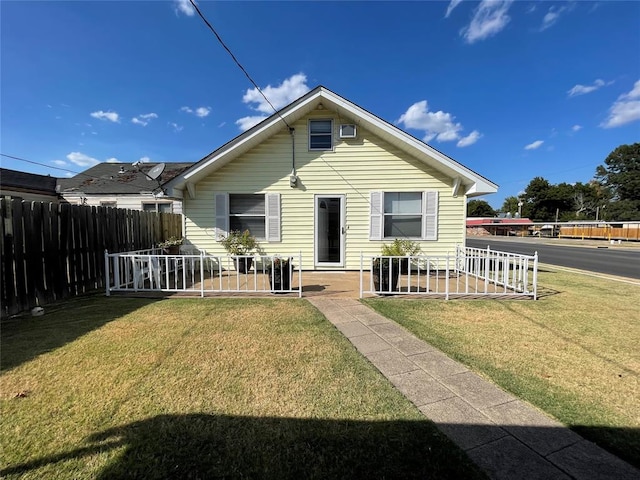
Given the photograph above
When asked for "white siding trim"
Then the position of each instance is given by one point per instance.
(273, 230)
(222, 215)
(376, 223)
(430, 215)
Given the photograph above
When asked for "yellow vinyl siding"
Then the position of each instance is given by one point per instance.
(355, 167)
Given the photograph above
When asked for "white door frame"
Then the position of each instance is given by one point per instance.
(342, 232)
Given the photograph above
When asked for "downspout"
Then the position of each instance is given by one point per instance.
(293, 178)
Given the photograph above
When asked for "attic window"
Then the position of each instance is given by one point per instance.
(320, 134)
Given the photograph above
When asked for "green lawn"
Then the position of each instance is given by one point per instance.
(575, 353)
(201, 388)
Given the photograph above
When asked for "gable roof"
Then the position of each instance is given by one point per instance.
(473, 183)
(118, 178)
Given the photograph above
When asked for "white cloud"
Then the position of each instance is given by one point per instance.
(489, 19)
(624, 110)
(438, 125)
(470, 139)
(452, 4)
(584, 89)
(534, 145)
(184, 7)
(82, 160)
(60, 163)
(176, 127)
(280, 96)
(112, 160)
(203, 111)
(198, 112)
(576, 128)
(111, 116)
(145, 159)
(552, 16)
(144, 119)
(245, 123)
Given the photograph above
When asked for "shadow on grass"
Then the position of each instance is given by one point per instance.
(544, 292)
(220, 446)
(25, 337)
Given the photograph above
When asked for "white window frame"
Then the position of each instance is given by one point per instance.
(254, 215)
(312, 120)
(429, 215)
(156, 206)
(272, 216)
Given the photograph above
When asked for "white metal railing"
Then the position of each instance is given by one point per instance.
(154, 271)
(467, 272)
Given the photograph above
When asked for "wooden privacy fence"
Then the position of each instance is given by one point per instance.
(53, 251)
(606, 231)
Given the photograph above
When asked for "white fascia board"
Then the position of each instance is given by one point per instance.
(474, 183)
(444, 163)
(244, 143)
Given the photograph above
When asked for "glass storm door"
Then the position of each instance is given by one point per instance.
(329, 230)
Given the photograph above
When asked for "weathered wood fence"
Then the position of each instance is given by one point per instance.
(54, 251)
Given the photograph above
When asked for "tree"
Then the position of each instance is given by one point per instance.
(586, 200)
(480, 208)
(620, 180)
(537, 202)
(510, 205)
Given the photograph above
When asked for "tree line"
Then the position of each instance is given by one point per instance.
(612, 195)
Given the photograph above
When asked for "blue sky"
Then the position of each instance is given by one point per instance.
(512, 90)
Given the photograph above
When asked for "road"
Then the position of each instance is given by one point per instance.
(623, 262)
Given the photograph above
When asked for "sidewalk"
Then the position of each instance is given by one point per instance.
(506, 437)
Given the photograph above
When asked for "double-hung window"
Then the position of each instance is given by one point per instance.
(257, 212)
(404, 215)
(320, 134)
(247, 212)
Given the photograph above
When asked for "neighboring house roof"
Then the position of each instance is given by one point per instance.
(27, 182)
(478, 221)
(118, 178)
(473, 183)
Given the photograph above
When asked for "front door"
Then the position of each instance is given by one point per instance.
(329, 230)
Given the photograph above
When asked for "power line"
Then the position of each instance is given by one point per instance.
(41, 164)
(237, 62)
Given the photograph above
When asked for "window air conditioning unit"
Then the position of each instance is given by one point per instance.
(348, 131)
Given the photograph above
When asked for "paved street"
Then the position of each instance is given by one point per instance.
(598, 257)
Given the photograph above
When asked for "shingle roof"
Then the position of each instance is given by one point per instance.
(30, 182)
(118, 178)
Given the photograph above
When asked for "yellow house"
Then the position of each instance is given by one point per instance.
(329, 179)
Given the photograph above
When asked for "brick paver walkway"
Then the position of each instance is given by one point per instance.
(506, 437)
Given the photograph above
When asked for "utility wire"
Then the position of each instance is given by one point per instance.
(41, 164)
(237, 62)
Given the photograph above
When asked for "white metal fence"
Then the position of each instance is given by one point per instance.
(468, 272)
(155, 271)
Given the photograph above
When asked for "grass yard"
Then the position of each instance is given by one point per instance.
(201, 388)
(575, 353)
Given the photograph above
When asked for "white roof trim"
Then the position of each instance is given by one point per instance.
(473, 183)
